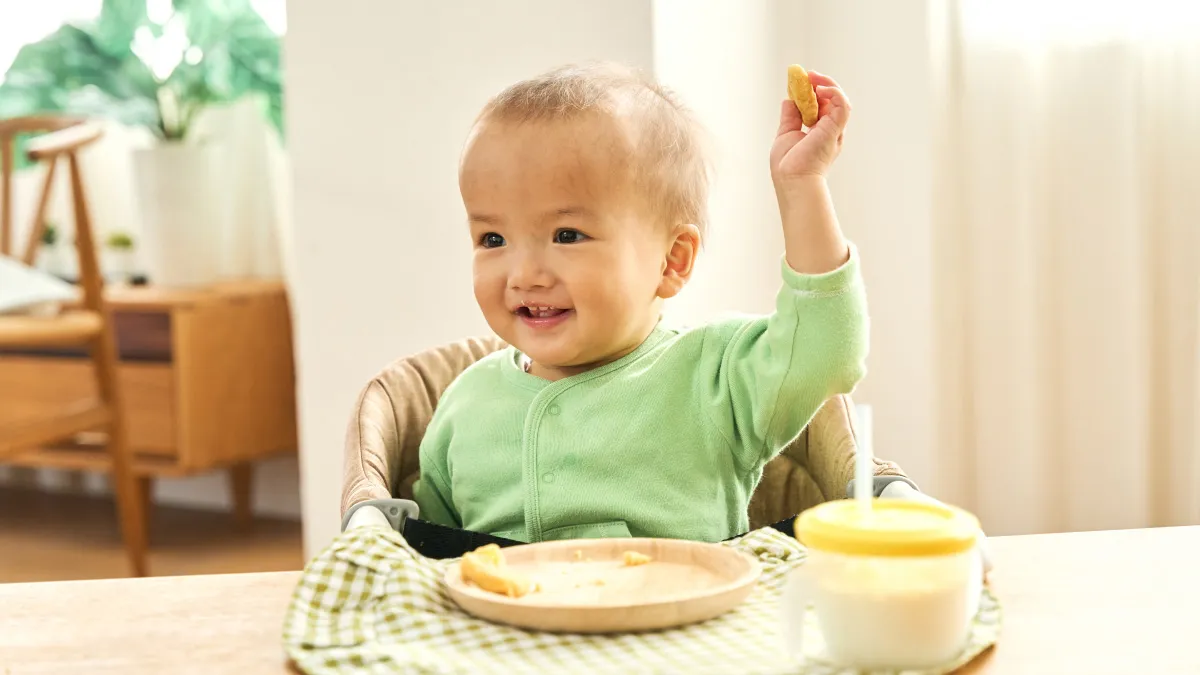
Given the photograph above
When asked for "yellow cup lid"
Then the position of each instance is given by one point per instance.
(892, 527)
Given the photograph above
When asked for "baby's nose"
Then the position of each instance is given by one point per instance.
(530, 272)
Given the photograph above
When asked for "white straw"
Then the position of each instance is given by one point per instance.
(864, 465)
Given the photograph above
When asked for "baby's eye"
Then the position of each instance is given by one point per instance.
(491, 240)
(569, 236)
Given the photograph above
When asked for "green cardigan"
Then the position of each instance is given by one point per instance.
(669, 441)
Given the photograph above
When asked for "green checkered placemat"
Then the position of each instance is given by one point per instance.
(371, 604)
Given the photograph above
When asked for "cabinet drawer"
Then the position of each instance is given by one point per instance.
(140, 336)
(31, 385)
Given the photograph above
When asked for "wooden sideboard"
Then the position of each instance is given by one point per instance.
(206, 375)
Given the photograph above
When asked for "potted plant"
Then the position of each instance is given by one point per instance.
(51, 257)
(157, 65)
(118, 257)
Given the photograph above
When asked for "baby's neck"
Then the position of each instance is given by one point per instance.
(555, 373)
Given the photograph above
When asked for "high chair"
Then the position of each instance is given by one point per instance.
(87, 325)
(395, 408)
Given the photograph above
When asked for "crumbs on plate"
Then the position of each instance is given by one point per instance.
(633, 558)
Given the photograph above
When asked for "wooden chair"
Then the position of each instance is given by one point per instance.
(88, 324)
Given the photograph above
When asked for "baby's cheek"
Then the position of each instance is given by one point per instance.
(489, 294)
(481, 294)
(624, 303)
(488, 279)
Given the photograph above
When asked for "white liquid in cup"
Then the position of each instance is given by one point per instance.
(886, 612)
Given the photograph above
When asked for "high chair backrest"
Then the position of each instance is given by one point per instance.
(394, 409)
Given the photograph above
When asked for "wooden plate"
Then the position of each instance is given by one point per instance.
(585, 586)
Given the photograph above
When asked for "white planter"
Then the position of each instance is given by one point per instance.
(117, 265)
(252, 177)
(57, 260)
(184, 212)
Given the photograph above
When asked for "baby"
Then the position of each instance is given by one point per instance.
(586, 193)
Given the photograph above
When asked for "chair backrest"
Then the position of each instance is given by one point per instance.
(393, 411)
(59, 137)
(55, 138)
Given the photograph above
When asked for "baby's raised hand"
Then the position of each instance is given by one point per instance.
(796, 154)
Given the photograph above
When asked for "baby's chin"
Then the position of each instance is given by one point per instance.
(568, 360)
(553, 358)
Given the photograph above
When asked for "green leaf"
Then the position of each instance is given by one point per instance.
(67, 72)
(241, 55)
(90, 68)
(70, 59)
(119, 20)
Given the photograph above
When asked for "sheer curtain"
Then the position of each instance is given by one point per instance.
(1067, 220)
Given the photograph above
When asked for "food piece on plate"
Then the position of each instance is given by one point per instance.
(800, 90)
(490, 554)
(486, 568)
(633, 558)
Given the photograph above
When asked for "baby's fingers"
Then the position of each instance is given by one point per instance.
(819, 80)
(833, 102)
(789, 118)
(833, 95)
(824, 107)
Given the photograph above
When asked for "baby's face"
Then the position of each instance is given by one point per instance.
(568, 265)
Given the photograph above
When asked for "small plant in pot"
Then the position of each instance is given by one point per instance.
(54, 256)
(157, 64)
(118, 255)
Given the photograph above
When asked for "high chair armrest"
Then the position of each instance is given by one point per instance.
(384, 512)
(880, 484)
(365, 516)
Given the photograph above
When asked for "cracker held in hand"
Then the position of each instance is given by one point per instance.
(800, 90)
(485, 567)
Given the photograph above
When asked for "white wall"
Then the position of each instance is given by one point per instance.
(380, 96)
(879, 52)
(720, 58)
(728, 60)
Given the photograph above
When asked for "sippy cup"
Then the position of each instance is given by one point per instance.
(893, 586)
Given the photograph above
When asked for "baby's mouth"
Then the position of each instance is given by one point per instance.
(540, 311)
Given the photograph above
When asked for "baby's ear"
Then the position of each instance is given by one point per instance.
(680, 260)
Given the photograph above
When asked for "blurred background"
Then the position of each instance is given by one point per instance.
(277, 218)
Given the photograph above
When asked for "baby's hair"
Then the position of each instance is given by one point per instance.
(670, 159)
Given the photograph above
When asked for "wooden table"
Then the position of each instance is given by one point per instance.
(1103, 603)
(1097, 603)
(228, 623)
